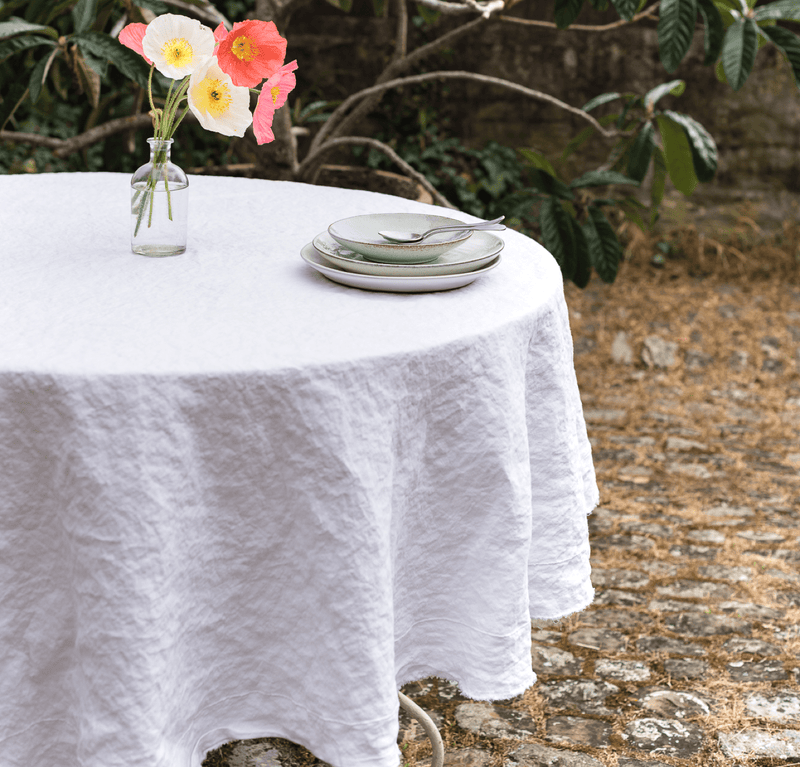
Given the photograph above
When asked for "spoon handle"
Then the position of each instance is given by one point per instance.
(479, 226)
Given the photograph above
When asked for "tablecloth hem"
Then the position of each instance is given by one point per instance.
(512, 691)
(207, 743)
(557, 616)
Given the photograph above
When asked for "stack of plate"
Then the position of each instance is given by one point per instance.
(352, 253)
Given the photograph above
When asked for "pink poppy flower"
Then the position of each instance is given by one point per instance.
(251, 51)
(220, 33)
(272, 97)
(131, 37)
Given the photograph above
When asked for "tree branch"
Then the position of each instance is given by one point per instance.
(206, 12)
(339, 123)
(401, 43)
(647, 13)
(64, 147)
(35, 139)
(313, 160)
(468, 6)
(455, 75)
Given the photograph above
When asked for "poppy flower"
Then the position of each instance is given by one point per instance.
(177, 44)
(220, 33)
(217, 103)
(251, 51)
(272, 97)
(131, 37)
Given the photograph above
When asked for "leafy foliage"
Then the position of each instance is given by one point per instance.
(675, 30)
(62, 73)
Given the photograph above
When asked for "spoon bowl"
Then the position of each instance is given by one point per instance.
(410, 237)
(360, 235)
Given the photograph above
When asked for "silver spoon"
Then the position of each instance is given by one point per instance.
(493, 226)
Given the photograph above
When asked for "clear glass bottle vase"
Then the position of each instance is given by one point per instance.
(159, 204)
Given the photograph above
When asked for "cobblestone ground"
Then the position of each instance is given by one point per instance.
(690, 653)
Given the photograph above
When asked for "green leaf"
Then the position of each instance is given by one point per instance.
(789, 44)
(601, 178)
(156, 6)
(789, 10)
(583, 261)
(597, 101)
(701, 144)
(632, 209)
(37, 78)
(558, 235)
(7, 8)
(675, 87)
(675, 30)
(739, 51)
(659, 182)
(604, 248)
(641, 151)
(83, 14)
(622, 119)
(96, 63)
(379, 8)
(88, 79)
(600, 5)
(566, 11)
(17, 44)
(55, 9)
(542, 181)
(678, 155)
(17, 26)
(626, 8)
(714, 31)
(538, 160)
(37, 11)
(576, 143)
(105, 47)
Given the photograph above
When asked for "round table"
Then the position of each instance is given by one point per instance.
(240, 500)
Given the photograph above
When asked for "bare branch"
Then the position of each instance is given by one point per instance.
(64, 147)
(401, 44)
(339, 122)
(313, 160)
(647, 13)
(279, 11)
(445, 41)
(206, 12)
(468, 6)
(455, 75)
(36, 139)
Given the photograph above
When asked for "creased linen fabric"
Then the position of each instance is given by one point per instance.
(239, 500)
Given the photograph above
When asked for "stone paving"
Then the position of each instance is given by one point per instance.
(690, 653)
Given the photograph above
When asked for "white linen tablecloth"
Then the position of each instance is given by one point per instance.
(239, 500)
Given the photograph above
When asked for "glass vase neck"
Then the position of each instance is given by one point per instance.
(160, 147)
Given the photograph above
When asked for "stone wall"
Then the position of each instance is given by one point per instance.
(756, 129)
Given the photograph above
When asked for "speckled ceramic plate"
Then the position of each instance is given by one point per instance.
(360, 234)
(467, 256)
(414, 284)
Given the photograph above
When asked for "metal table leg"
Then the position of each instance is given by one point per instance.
(412, 709)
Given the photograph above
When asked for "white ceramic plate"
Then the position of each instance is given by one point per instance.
(360, 234)
(471, 254)
(413, 284)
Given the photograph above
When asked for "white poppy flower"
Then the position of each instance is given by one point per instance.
(177, 45)
(217, 103)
